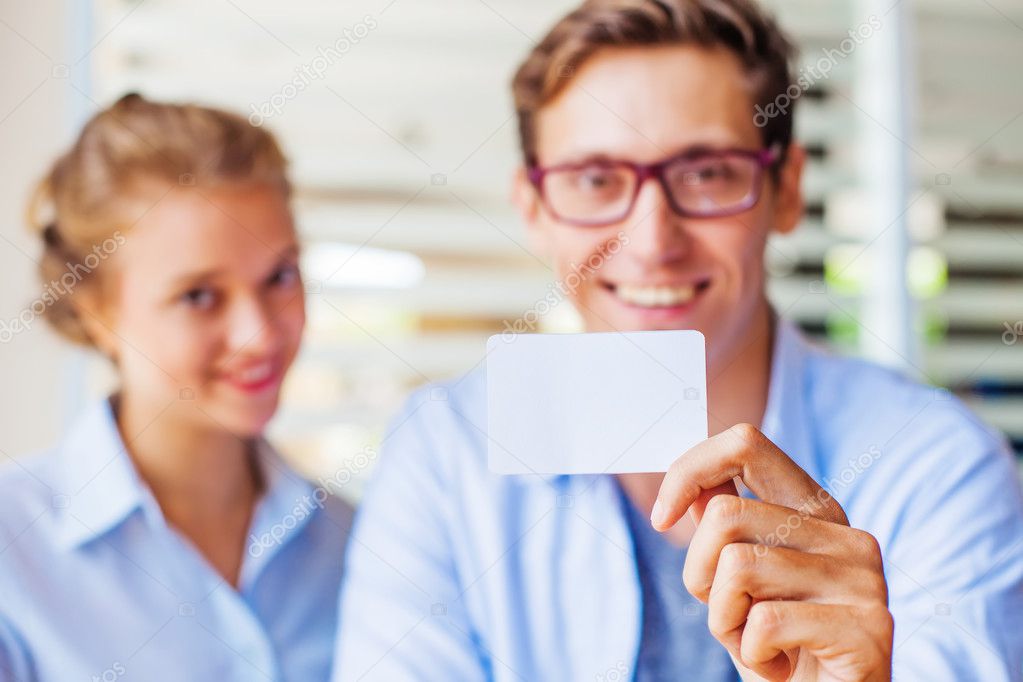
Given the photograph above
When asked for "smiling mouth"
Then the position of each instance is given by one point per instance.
(657, 296)
(255, 377)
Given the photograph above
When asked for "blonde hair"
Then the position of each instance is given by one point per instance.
(126, 153)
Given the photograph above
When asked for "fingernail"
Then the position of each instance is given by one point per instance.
(657, 514)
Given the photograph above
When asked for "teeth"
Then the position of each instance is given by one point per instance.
(257, 373)
(655, 297)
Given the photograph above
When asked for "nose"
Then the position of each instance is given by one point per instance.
(657, 235)
(252, 328)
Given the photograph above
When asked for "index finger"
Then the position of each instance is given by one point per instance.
(744, 452)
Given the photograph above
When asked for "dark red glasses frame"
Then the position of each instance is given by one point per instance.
(764, 158)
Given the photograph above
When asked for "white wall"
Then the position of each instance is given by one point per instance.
(36, 110)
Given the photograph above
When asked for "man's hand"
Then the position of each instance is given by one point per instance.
(794, 593)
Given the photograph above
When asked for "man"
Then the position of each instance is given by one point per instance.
(879, 525)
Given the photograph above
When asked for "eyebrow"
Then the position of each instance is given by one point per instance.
(289, 252)
(194, 278)
(604, 157)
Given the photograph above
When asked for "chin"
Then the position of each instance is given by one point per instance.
(243, 423)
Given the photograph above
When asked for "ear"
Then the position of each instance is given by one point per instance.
(788, 206)
(526, 200)
(98, 321)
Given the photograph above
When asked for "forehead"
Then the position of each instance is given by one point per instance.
(646, 103)
(210, 229)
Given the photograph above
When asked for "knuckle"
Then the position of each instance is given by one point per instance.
(866, 548)
(736, 560)
(887, 625)
(824, 505)
(764, 620)
(723, 511)
(695, 584)
(747, 433)
(877, 587)
(881, 621)
(716, 624)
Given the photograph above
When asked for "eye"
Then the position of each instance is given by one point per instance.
(597, 179)
(200, 298)
(284, 276)
(715, 170)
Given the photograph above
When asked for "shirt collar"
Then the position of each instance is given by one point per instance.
(286, 493)
(99, 487)
(288, 503)
(786, 420)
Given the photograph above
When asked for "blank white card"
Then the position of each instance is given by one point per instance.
(594, 403)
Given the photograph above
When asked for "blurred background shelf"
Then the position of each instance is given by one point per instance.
(404, 144)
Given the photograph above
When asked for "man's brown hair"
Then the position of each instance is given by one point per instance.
(739, 26)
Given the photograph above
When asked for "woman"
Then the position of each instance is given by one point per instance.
(164, 538)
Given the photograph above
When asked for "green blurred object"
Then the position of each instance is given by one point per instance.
(932, 326)
(843, 330)
(847, 267)
(927, 272)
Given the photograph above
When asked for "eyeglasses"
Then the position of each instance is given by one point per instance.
(698, 184)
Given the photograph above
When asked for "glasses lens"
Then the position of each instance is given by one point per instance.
(712, 185)
(594, 193)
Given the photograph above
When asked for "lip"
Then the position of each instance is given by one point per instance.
(270, 374)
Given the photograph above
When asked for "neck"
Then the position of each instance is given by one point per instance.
(194, 470)
(739, 378)
(738, 381)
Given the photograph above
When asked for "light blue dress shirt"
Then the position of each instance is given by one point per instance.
(94, 585)
(455, 573)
